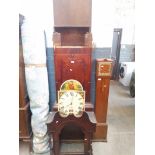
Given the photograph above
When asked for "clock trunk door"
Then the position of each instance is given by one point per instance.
(73, 65)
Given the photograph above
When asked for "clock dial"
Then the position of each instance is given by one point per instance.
(71, 102)
(65, 104)
(78, 104)
(104, 68)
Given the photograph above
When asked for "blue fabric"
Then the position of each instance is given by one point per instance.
(51, 76)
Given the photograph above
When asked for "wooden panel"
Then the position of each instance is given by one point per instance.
(57, 39)
(72, 36)
(88, 39)
(71, 132)
(24, 122)
(76, 13)
(100, 133)
(23, 97)
(103, 74)
(73, 63)
(102, 93)
(84, 124)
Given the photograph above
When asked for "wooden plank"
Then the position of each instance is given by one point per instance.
(24, 122)
(76, 13)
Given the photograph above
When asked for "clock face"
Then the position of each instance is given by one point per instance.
(104, 69)
(64, 104)
(71, 102)
(78, 104)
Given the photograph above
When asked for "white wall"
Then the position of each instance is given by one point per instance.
(106, 15)
(40, 12)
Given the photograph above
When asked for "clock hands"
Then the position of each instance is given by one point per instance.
(71, 102)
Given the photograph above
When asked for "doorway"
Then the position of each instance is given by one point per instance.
(115, 52)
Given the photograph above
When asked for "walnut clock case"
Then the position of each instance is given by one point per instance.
(103, 75)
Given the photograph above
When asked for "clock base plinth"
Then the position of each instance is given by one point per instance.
(87, 123)
(101, 132)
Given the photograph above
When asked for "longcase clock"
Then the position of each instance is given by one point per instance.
(72, 42)
(103, 75)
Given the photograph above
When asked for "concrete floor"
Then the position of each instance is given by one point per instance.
(121, 125)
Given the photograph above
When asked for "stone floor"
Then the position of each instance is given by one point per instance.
(121, 125)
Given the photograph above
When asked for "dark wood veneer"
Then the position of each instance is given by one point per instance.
(72, 13)
(24, 107)
(58, 123)
(73, 63)
(103, 76)
(24, 122)
(23, 98)
(72, 36)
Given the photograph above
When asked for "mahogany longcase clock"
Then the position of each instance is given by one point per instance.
(72, 40)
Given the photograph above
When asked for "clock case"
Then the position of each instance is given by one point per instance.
(72, 44)
(103, 76)
(73, 60)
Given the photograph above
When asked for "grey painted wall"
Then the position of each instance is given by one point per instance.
(126, 54)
